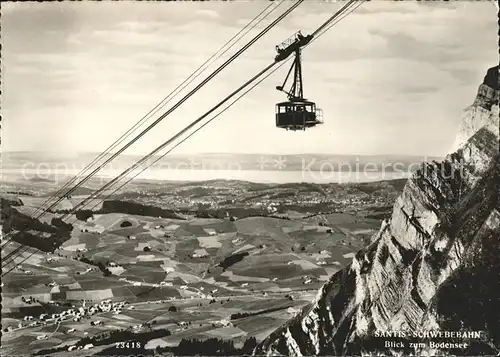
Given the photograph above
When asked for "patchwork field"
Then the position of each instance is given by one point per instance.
(196, 277)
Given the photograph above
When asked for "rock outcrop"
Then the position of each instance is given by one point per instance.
(483, 112)
(433, 266)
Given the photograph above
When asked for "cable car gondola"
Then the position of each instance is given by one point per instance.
(297, 113)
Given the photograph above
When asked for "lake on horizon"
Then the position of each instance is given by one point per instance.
(258, 176)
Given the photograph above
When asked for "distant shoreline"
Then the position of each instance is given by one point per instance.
(196, 175)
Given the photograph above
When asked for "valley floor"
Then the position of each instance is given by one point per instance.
(196, 278)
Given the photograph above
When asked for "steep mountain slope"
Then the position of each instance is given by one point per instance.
(434, 266)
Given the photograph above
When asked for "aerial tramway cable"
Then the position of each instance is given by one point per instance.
(159, 148)
(169, 141)
(329, 21)
(188, 136)
(219, 69)
(25, 248)
(334, 16)
(186, 97)
(153, 111)
(337, 18)
(199, 86)
(170, 96)
(225, 64)
(340, 13)
(327, 25)
(173, 138)
(248, 27)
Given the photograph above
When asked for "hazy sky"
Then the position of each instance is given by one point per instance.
(392, 77)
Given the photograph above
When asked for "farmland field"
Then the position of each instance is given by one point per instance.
(193, 276)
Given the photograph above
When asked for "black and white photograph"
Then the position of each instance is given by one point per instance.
(250, 178)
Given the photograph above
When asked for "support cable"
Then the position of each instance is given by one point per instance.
(326, 26)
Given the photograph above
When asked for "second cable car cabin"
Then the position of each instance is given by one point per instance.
(297, 113)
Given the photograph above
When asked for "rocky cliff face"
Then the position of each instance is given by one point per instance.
(434, 266)
(483, 112)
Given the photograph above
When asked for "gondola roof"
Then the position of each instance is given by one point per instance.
(295, 102)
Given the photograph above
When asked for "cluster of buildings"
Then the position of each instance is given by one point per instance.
(266, 202)
(75, 314)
